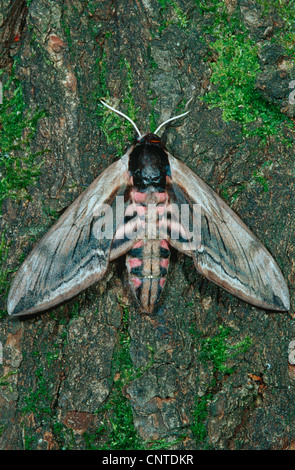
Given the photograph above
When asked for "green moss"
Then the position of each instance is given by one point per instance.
(235, 67)
(2, 428)
(123, 435)
(117, 430)
(122, 360)
(117, 129)
(92, 439)
(174, 11)
(231, 191)
(120, 432)
(63, 435)
(29, 439)
(235, 72)
(286, 11)
(216, 351)
(4, 382)
(19, 167)
(200, 414)
(4, 251)
(38, 402)
(38, 399)
(154, 117)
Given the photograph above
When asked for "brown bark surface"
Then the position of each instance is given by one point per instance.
(206, 370)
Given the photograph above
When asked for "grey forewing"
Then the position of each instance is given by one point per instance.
(72, 255)
(229, 254)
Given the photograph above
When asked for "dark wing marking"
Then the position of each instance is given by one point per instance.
(73, 254)
(229, 254)
(127, 231)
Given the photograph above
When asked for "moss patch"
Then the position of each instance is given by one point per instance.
(235, 66)
(4, 251)
(171, 9)
(118, 431)
(215, 352)
(286, 11)
(114, 128)
(19, 167)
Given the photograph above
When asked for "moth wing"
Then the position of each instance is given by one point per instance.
(73, 254)
(229, 254)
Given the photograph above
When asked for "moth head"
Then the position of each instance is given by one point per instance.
(149, 164)
(148, 161)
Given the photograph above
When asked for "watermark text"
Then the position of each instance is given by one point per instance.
(149, 221)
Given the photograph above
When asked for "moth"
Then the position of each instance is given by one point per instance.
(133, 209)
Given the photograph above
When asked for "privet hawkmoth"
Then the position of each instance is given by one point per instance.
(140, 206)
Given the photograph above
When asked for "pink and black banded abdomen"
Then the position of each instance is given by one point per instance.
(147, 264)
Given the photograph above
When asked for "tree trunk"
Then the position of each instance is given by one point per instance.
(206, 370)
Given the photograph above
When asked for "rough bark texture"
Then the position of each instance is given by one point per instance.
(206, 370)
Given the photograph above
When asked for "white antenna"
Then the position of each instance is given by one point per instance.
(124, 115)
(168, 120)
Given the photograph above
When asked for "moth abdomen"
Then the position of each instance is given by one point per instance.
(147, 271)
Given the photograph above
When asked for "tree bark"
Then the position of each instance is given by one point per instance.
(206, 370)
